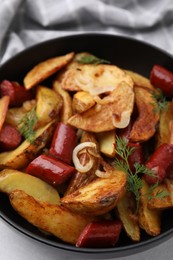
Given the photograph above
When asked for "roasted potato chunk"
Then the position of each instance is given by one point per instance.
(112, 112)
(82, 101)
(107, 143)
(66, 110)
(139, 80)
(99, 196)
(48, 105)
(4, 102)
(128, 217)
(26, 152)
(164, 202)
(164, 130)
(148, 116)
(11, 180)
(149, 219)
(53, 219)
(45, 69)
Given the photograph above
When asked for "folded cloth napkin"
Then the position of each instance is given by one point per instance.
(26, 22)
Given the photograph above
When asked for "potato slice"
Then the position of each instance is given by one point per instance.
(15, 114)
(53, 219)
(165, 202)
(128, 218)
(113, 111)
(4, 102)
(145, 125)
(164, 131)
(48, 105)
(11, 180)
(94, 79)
(26, 152)
(149, 219)
(45, 69)
(99, 196)
(107, 143)
(66, 110)
(140, 80)
(82, 101)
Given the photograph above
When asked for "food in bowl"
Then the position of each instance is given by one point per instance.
(95, 153)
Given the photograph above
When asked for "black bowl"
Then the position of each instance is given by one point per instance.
(123, 52)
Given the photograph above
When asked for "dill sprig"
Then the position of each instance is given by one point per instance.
(134, 181)
(159, 98)
(91, 59)
(26, 125)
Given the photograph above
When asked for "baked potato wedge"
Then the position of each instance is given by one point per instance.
(128, 217)
(82, 101)
(48, 105)
(140, 80)
(149, 219)
(45, 69)
(26, 151)
(11, 180)
(164, 202)
(111, 112)
(148, 116)
(53, 219)
(4, 102)
(164, 130)
(66, 111)
(15, 114)
(107, 143)
(99, 196)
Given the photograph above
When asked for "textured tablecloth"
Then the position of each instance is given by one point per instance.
(26, 22)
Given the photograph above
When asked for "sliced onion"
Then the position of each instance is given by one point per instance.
(102, 174)
(121, 121)
(79, 167)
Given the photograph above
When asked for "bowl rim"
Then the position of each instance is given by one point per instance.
(121, 250)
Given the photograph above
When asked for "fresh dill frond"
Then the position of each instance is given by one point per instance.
(26, 125)
(160, 99)
(134, 181)
(91, 59)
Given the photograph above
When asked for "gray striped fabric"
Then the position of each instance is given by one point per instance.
(24, 23)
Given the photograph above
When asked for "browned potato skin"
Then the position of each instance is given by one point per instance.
(140, 80)
(45, 69)
(165, 202)
(82, 101)
(98, 197)
(4, 102)
(128, 218)
(164, 131)
(145, 125)
(149, 219)
(66, 110)
(48, 105)
(53, 219)
(26, 152)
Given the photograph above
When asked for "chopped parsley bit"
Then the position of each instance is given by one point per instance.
(91, 59)
(26, 125)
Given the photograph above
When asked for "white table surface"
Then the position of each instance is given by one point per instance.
(14, 246)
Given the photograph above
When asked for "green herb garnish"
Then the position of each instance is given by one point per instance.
(160, 99)
(91, 59)
(26, 125)
(134, 181)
